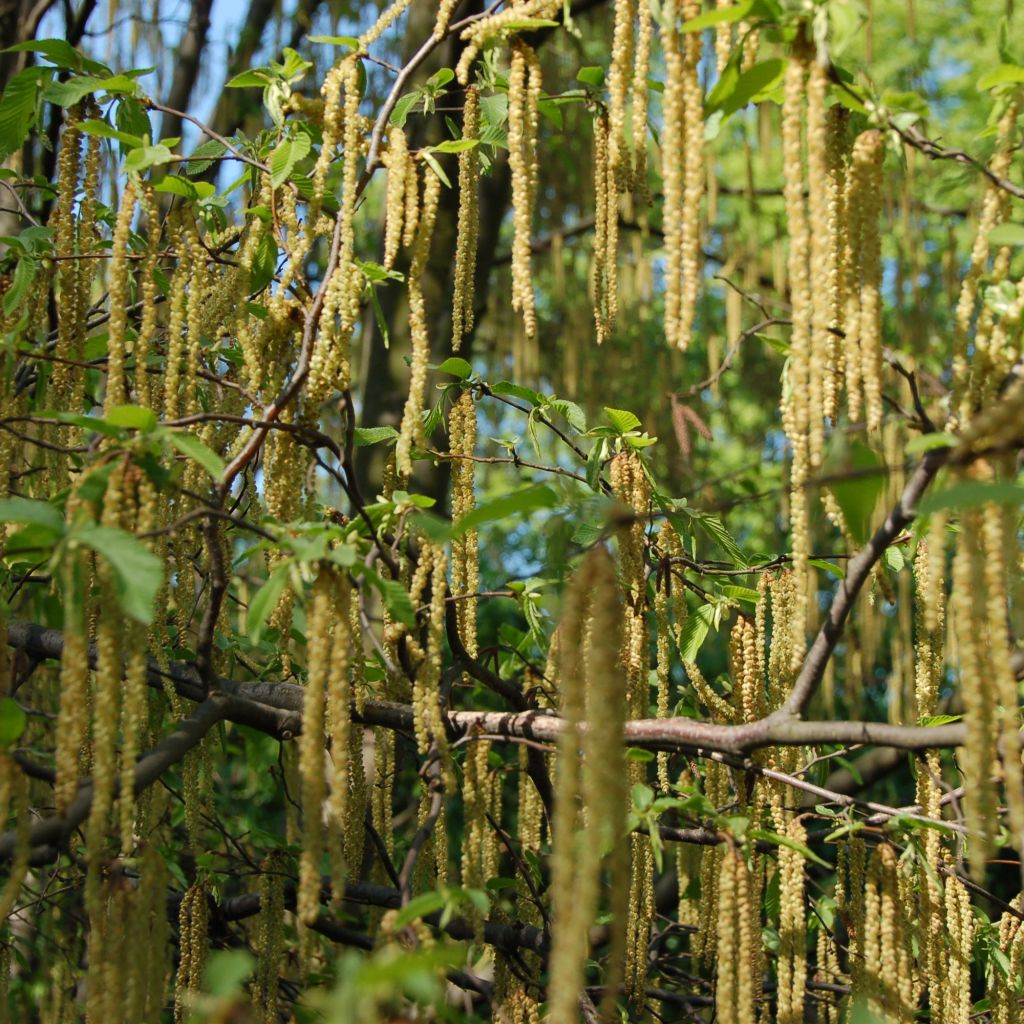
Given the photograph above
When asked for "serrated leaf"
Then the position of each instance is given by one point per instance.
(506, 387)
(24, 275)
(521, 503)
(719, 16)
(366, 436)
(254, 77)
(198, 452)
(456, 145)
(431, 161)
(715, 529)
(27, 511)
(425, 904)
(694, 631)
(622, 420)
(12, 722)
(457, 367)
(135, 417)
(137, 572)
(792, 844)
(926, 442)
(971, 495)
(18, 108)
(264, 601)
(1007, 234)
(286, 156)
(1005, 74)
(402, 109)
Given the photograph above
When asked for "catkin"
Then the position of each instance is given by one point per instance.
(465, 554)
(412, 422)
(682, 144)
(524, 86)
(193, 921)
(469, 222)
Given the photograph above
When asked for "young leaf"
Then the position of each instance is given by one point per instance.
(264, 601)
(137, 572)
(198, 452)
(27, 511)
(519, 503)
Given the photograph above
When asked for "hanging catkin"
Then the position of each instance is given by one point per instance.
(796, 410)
(311, 746)
(524, 86)
(269, 938)
(465, 553)
(338, 731)
(120, 299)
(193, 920)
(682, 149)
(734, 986)
(588, 646)
(606, 233)
(469, 222)
(864, 308)
(792, 929)
(397, 161)
(619, 168)
(412, 421)
(477, 35)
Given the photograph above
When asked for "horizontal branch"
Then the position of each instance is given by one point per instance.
(54, 831)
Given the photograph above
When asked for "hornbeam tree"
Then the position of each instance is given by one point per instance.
(512, 513)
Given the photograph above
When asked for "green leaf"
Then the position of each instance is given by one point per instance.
(820, 563)
(774, 837)
(137, 572)
(431, 161)
(715, 529)
(858, 495)
(736, 89)
(135, 417)
(1007, 234)
(106, 131)
(350, 41)
(506, 387)
(933, 720)
(366, 436)
(24, 275)
(622, 420)
(198, 452)
(593, 75)
(719, 16)
(226, 971)
(456, 145)
(520, 503)
(264, 601)
(456, 367)
(61, 53)
(26, 511)
(971, 495)
(144, 157)
(926, 442)
(264, 264)
(286, 156)
(402, 109)
(395, 597)
(1003, 75)
(253, 78)
(695, 630)
(18, 108)
(420, 906)
(12, 722)
(642, 796)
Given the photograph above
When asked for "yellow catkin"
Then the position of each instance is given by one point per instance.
(469, 223)
(311, 746)
(619, 168)
(120, 300)
(723, 38)
(338, 731)
(796, 412)
(837, 160)
(682, 143)
(641, 71)
(1006, 1008)
(993, 211)
(465, 554)
(792, 930)
(193, 921)
(329, 365)
(588, 640)
(269, 939)
(477, 35)
(387, 18)
(604, 196)
(524, 87)
(820, 370)
(864, 204)
(412, 422)
(14, 797)
(73, 716)
(397, 160)
(734, 986)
